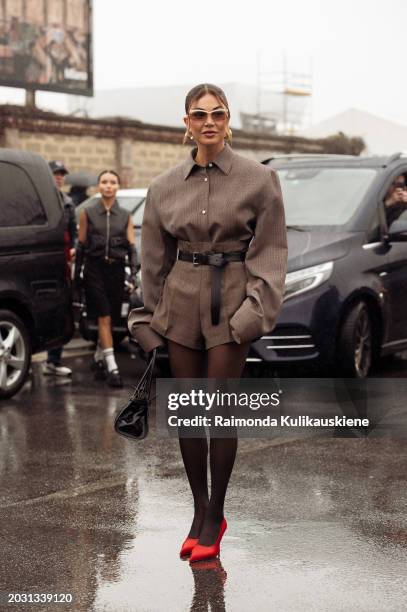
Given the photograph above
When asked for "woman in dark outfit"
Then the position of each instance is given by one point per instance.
(215, 202)
(106, 236)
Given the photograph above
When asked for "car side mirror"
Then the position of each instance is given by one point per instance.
(398, 231)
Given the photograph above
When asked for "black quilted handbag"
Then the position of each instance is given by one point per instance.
(132, 420)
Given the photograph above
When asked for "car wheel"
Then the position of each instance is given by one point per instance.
(355, 347)
(15, 353)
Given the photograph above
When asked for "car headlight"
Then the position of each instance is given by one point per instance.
(304, 280)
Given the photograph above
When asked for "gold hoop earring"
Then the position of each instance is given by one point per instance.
(186, 136)
(229, 134)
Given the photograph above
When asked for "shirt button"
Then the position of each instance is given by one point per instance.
(210, 165)
(203, 212)
(206, 178)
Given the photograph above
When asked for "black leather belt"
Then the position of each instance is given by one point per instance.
(218, 261)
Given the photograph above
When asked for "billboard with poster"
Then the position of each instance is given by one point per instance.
(46, 44)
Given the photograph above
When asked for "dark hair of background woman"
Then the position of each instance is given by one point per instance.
(109, 172)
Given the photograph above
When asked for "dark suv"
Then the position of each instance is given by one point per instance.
(35, 299)
(345, 298)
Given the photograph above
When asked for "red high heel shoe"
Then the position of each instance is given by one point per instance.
(201, 552)
(187, 546)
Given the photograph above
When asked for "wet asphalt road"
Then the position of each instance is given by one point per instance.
(316, 524)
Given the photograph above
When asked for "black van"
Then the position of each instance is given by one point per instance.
(35, 295)
(345, 300)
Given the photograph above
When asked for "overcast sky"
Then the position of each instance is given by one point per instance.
(357, 49)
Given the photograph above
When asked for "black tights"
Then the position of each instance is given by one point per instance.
(223, 361)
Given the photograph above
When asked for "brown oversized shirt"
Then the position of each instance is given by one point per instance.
(232, 204)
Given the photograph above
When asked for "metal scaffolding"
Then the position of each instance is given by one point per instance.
(283, 101)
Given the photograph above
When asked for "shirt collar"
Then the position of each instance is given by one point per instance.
(223, 161)
(113, 210)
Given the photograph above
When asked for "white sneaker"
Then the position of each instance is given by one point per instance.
(50, 368)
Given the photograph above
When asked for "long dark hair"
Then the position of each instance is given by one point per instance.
(109, 172)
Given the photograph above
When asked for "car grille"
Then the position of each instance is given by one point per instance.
(291, 342)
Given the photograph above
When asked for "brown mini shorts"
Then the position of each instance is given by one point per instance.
(183, 313)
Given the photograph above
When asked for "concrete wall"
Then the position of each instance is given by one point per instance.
(76, 151)
(136, 150)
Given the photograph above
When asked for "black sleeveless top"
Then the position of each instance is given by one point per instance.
(107, 232)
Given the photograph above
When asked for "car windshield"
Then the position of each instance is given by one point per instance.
(323, 196)
(130, 203)
(137, 215)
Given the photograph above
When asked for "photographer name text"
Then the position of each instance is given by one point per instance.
(268, 421)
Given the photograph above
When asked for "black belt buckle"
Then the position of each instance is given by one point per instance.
(216, 259)
(195, 258)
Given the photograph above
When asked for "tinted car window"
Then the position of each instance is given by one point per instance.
(19, 202)
(323, 196)
(397, 217)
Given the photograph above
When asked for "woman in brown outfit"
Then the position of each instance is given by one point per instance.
(209, 308)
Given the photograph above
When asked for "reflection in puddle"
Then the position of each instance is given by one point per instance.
(209, 581)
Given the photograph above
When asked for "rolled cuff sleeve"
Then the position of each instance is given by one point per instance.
(139, 327)
(266, 266)
(158, 254)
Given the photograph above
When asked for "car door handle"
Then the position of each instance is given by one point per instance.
(44, 287)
